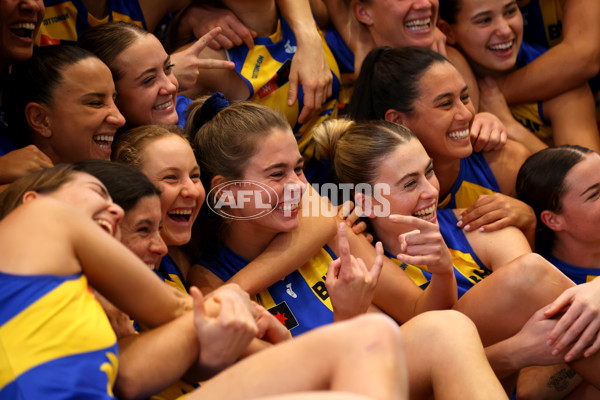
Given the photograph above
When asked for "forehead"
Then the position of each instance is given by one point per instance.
(441, 77)
(404, 159)
(147, 207)
(277, 143)
(583, 174)
(87, 75)
(166, 151)
(145, 52)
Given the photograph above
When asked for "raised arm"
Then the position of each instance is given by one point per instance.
(550, 74)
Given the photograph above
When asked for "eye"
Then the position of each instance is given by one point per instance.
(429, 172)
(410, 184)
(465, 98)
(148, 80)
(511, 11)
(143, 229)
(483, 21)
(593, 196)
(195, 176)
(169, 178)
(96, 104)
(277, 174)
(169, 68)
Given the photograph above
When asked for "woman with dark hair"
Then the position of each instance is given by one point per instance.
(562, 186)
(62, 101)
(422, 90)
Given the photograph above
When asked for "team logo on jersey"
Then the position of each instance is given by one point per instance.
(289, 48)
(283, 313)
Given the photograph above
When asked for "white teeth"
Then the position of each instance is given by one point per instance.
(459, 134)
(418, 24)
(181, 212)
(151, 266)
(107, 226)
(23, 25)
(426, 213)
(502, 46)
(104, 138)
(164, 105)
(288, 207)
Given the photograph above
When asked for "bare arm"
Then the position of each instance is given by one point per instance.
(549, 75)
(573, 118)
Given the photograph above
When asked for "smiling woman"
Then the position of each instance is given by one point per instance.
(63, 101)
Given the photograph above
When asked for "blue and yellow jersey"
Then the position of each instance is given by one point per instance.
(169, 272)
(55, 340)
(578, 275)
(300, 301)
(468, 268)
(64, 21)
(531, 115)
(265, 69)
(474, 179)
(542, 20)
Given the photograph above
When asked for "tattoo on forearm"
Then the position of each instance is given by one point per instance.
(560, 381)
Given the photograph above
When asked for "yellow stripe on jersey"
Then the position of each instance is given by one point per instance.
(55, 313)
(315, 270)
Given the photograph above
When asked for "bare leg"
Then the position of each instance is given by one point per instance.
(446, 360)
(361, 356)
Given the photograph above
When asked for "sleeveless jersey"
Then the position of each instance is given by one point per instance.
(55, 340)
(64, 21)
(474, 179)
(265, 69)
(577, 274)
(468, 268)
(299, 301)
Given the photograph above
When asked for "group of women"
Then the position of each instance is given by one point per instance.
(452, 266)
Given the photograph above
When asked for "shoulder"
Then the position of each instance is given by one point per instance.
(505, 164)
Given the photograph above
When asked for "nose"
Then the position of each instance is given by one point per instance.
(503, 28)
(115, 117)
(430, 188)
(464, 112)
(158, 245)
(169, 85)
(117, 212)
(422, 4)
(31, 5)
(192, 188)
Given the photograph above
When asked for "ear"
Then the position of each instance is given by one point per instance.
(392, 115)
(365, 202)
(216, 180)
(28, 196)
(37, 118)
(552, 220)
(446, 28)
(362, 13)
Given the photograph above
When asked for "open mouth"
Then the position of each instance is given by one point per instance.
(418, 24)
(427, 213)
(23, 29)
(182, 215)
(104, 141)
(287, 207)
(459, 134)
(502, 47)
(163, 105)
(106, 226)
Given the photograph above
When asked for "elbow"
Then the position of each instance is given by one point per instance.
(127, 387)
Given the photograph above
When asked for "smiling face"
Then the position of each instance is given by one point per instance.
(140, 231)
(19, 24)
(88, 194)
(83, 117)
(580, 215)
(399, 23)
(148, 88)
(490, 33)
(170, 164)
(277, 164)
(442, 113)
(414, 189)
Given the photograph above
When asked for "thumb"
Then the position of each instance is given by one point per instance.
(198, 299)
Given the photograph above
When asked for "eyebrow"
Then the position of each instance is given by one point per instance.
(145, 221)
(282, 165)
(102, 189)
(593, 187)
(413, 174)
(448, 94)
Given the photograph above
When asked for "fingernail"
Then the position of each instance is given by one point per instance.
(555, 352)
(481, 229)
(459, 224)
(467, 227)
